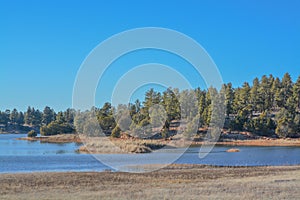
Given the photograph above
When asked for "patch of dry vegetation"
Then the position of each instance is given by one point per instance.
(104, 145)
(61, 138)
(173, 182)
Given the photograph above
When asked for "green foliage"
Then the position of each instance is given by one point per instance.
(151, 98)
(105, 118)
(4, 117)
(14, 116)
(165, 132)
(87, 123)
(33, 117)
(171, 104)
(271, 105)
(91, 127)
(80, 120)
(32, 133)
(191, 128)
(55, 128)
(48, 115)
(286, 126)
(296, 94)
(263, 125)
(229, 97)
(116, 132)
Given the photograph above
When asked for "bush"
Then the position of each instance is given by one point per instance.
(116, 132)
(32, 133)
(55, 128)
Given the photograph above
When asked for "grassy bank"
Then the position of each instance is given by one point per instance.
(113, 145)
(62, 138)
(174, 182)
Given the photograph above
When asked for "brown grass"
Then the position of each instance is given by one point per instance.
(61, 138)
(105, 145)
(174, 182)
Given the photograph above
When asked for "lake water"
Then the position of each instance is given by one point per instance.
(28, 156)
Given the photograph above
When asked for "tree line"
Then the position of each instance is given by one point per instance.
(269, 106)
(47, 121)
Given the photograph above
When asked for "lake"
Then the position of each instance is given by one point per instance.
(32, 156)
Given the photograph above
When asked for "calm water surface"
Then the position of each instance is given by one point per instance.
(28, 156)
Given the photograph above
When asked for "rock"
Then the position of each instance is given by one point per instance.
(232, 150)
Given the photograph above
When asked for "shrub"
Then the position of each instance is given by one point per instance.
(55, 128)
(32, 133)
(116, 132)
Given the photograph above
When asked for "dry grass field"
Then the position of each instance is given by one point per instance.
(174, 182)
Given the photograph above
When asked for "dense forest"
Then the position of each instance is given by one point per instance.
(269, 107)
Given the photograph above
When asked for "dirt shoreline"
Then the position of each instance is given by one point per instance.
(98, 145)
(173, 182)
(258, 142)
(68, 138)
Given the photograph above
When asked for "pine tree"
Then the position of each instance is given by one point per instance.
(229, 97)
(286, 89)
(201, 108)
(296, 94)
(254, 95)
(264, 94)
(20, 119)
(14, 116)
(28, 116)
(275, 90)
(285, 124)
(48, 115)
(171, 105)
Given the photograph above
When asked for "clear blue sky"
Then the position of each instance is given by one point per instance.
(43, 43)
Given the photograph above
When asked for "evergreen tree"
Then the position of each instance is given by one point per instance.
(69, 115)
(285, 124)
(286, 89)
(60, 118)
(264, 95)
(106, 118)
(28, 116)
(276, 92)
(201, 108)
(254, 95)
(151, 98)
(20, 119)
(4, 118)
(188, 103)
(171, 105)
(48, 115)
(36, 117)
(14, 116)
(296, 94)
(229, 98)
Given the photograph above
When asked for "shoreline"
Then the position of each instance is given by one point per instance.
(264, 141)
(257, 142)
(173, 182)
(98, 145)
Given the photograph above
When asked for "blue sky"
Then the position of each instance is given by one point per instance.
(43, 43)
